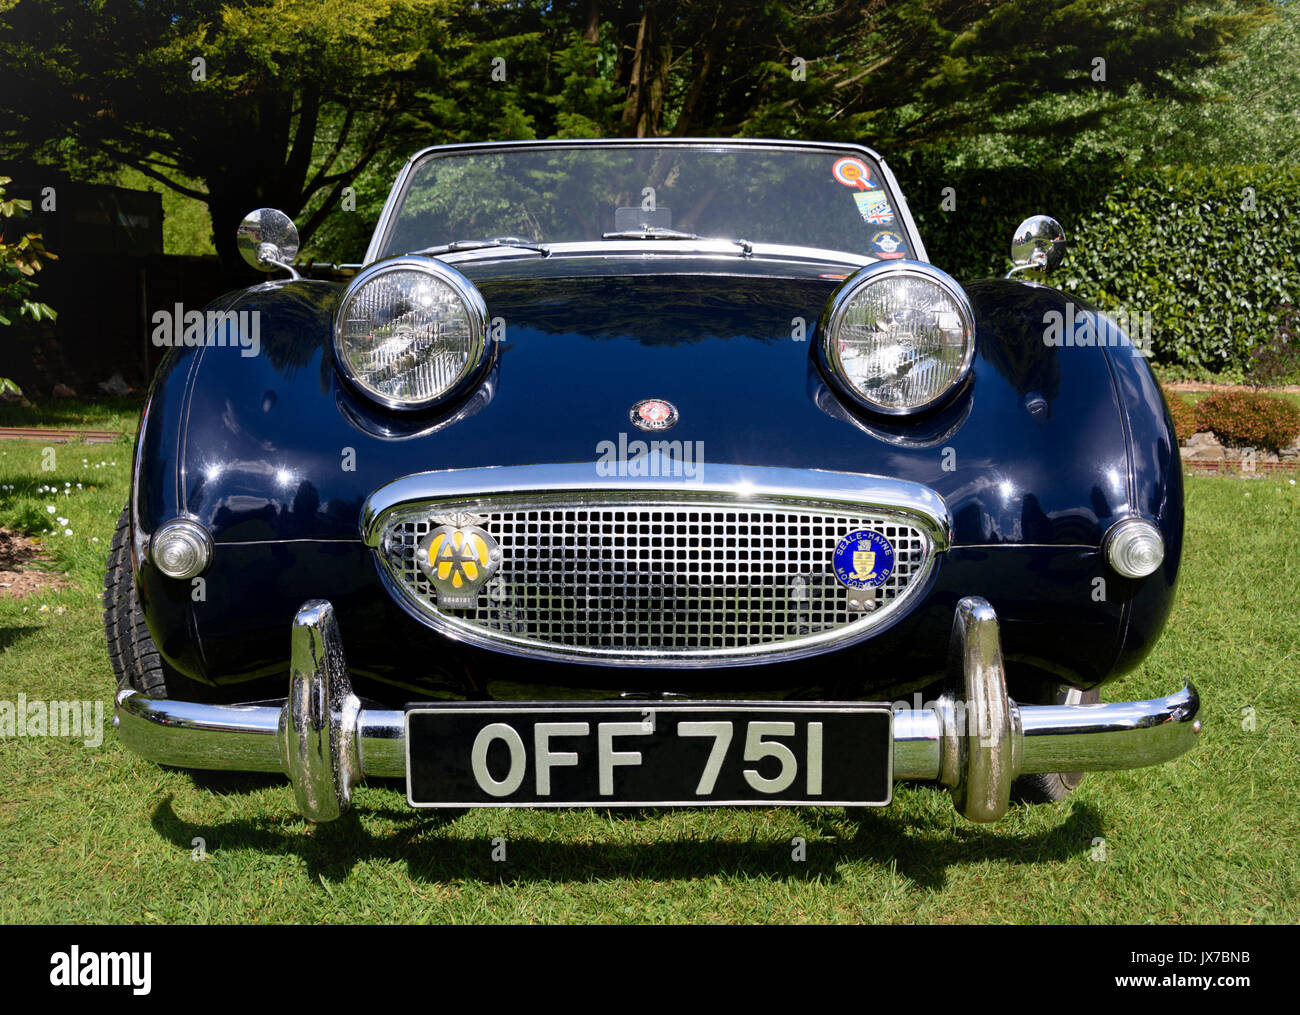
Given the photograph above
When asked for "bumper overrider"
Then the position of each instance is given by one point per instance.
(973, 739)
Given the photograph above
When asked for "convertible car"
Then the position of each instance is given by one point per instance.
(639, 473)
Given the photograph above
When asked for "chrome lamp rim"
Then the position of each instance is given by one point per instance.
(470, 297)
(871, 274)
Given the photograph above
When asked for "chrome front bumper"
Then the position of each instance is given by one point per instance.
(974, 739)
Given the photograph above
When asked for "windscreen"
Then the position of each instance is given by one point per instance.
(555, 195)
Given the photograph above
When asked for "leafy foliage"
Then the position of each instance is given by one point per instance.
(266, 102)
(1210, 253)
(1238, 108)
(20, 260)
(1249, 419)
(1278, 361)
(288, 102)
(1183, 413)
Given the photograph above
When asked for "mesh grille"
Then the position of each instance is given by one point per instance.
(659, 578)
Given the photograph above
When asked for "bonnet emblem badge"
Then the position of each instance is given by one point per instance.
(458, 561)
(653, 414)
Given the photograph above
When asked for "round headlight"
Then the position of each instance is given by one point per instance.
(181, 548)
(898, 337)
(410, 331)
(1134, 547)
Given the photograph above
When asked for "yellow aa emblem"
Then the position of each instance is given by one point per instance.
(458, 554)
(458, 560)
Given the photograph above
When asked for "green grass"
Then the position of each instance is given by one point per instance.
(100, 835)
(106, 413)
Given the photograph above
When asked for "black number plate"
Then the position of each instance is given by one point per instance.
(558, 754)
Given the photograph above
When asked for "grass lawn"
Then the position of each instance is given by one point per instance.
(106, 413)
(96, 834)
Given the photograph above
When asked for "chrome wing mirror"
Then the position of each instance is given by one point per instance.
(268, 239)
(1039, 242)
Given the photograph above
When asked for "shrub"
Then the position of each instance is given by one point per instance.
(1209, 251)
(1278, 361)
(1183, 415)
(1249, 419)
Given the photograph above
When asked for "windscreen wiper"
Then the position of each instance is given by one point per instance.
(491, 241)
(660, 233)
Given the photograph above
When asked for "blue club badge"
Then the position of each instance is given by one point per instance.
(864, 560)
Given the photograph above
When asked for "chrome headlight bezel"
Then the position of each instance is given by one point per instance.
(475, 311)
(873, 274)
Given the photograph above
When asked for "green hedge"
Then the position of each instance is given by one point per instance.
(1175, 241)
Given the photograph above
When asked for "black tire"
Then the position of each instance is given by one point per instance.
(137, 664)
(1049, 787)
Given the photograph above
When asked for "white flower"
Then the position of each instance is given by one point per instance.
(44, 609)
(1291, 481)
(50, 508)
(94, 539)
(67, 532)
(61, 521)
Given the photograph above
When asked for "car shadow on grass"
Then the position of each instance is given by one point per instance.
(922, 852)
(224, 783)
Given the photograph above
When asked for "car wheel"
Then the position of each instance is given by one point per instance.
(1048, 787)
(136, 660)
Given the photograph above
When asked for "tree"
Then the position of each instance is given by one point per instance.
(900, 74)
(288, 103)
(273, 102)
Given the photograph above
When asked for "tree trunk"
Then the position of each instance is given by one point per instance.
(648, 76)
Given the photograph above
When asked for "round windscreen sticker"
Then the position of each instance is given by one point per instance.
(853, 173)
(887, 243)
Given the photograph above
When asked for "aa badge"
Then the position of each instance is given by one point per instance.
(458, 560)
(864, 560)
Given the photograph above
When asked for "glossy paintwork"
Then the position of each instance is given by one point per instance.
(1032, 458)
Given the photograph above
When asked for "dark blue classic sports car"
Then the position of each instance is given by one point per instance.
(654, 472)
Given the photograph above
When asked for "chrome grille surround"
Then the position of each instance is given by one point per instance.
(659, 572)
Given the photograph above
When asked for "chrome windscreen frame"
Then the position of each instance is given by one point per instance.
(574, 485)
(398, 194)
